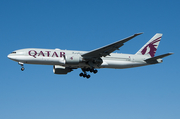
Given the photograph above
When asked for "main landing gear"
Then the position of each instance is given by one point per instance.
(85, 75)
(22, 66)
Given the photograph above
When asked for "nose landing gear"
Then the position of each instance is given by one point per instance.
(22, 66)
(22, 69)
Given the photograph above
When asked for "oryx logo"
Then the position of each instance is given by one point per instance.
(71, 58)
(151, 47)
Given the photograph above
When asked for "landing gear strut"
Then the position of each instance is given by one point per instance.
(84, 74)
(22, 65)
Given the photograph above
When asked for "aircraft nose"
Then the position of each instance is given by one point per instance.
(9, 56)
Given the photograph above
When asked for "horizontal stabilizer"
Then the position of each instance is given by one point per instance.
(158, 57)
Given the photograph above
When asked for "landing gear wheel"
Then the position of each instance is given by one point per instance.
(91, 70)
(95, 71)
(88, 76)
(22, 69)
(81, 74)
(85, 75)
(88, 69)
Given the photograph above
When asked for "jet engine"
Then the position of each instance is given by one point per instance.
(57, 69)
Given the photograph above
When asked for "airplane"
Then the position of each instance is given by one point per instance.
(65, 61)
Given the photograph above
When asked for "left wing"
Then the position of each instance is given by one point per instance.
(106, 50)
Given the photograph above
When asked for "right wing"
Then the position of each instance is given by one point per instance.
(106, 50)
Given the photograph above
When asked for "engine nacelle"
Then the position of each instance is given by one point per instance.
(73, 59)
(57, 69)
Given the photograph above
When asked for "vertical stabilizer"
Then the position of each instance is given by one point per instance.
(151, 46)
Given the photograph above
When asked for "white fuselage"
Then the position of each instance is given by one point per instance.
(57, 57)
(65, 61)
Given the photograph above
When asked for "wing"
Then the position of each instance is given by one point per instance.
(106, 50)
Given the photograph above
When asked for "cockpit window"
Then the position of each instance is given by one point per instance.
(13, 52)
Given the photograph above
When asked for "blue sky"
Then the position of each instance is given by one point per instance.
(150, 92)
